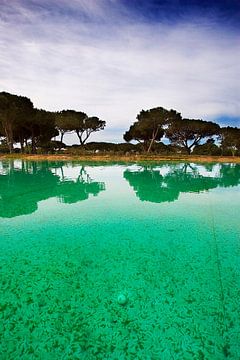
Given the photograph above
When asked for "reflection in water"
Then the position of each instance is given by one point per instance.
(23, 184)
(165, 183)
(22, 187)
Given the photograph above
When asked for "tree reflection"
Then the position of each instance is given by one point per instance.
(150, 185)
(22, 187)
(73, 191)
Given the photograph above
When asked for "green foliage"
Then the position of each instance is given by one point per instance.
(34, 129)
(14, 112)
(188, 133)
(103, 147)
(4, 149)
(68, 121)
(42, 128)
(161, 148)
(87, 126)
(209, 148)
(51, 147)
(20, 122)
(149, 127)
(84, 126)
(230, 140)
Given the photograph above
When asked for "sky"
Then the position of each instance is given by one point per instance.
(113, 58)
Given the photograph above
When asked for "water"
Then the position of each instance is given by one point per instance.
(119, 261)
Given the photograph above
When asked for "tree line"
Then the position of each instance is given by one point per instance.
(186, 134)
(21, 123)
(35, 128)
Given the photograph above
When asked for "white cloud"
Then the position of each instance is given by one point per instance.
(115, 70)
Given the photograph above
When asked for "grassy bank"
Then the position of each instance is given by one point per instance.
(121, 158)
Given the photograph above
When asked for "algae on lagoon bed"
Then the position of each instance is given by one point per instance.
(76, 237)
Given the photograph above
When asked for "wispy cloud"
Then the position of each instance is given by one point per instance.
(97, 57)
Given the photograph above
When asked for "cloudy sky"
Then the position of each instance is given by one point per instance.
(112, 58)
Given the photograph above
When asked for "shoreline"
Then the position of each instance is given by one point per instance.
(121, 158)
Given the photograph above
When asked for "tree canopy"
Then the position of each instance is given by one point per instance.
(21, 123)
(149, 126)
(65, 121)
(208, 148)
(188, 133)
(79, 122)
(87, 126)
(14, 112)
(230, 139)
(42, 128)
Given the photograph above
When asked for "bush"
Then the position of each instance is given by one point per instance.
(207, 149)
(4, 149)
(50, 147)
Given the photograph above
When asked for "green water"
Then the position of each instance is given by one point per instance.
(76, 239)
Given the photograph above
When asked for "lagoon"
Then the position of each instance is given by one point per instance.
(119, 261)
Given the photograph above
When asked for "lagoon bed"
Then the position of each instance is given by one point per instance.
(118, 261)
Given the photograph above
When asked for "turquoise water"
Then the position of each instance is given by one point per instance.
(119, 261)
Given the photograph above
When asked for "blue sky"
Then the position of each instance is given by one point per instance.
(112, 58)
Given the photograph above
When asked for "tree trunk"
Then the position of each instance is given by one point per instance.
(33, 145)
(154, 135)
(10, 146)
(9, 137)
(150, 145)
(188, 149)
(145, 146)
(22, 146)
(80, 138)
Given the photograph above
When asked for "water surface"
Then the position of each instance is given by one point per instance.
(74, 237)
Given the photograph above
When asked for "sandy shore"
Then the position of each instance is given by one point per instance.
(122, 158)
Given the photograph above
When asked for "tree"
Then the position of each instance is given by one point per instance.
(22, 134)
(149, 126)
(188, 133)
(78, 121)
(66, 121)
(87, 126)
(14, 110)
(42, 128)
(230, 139)
(209, 148)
